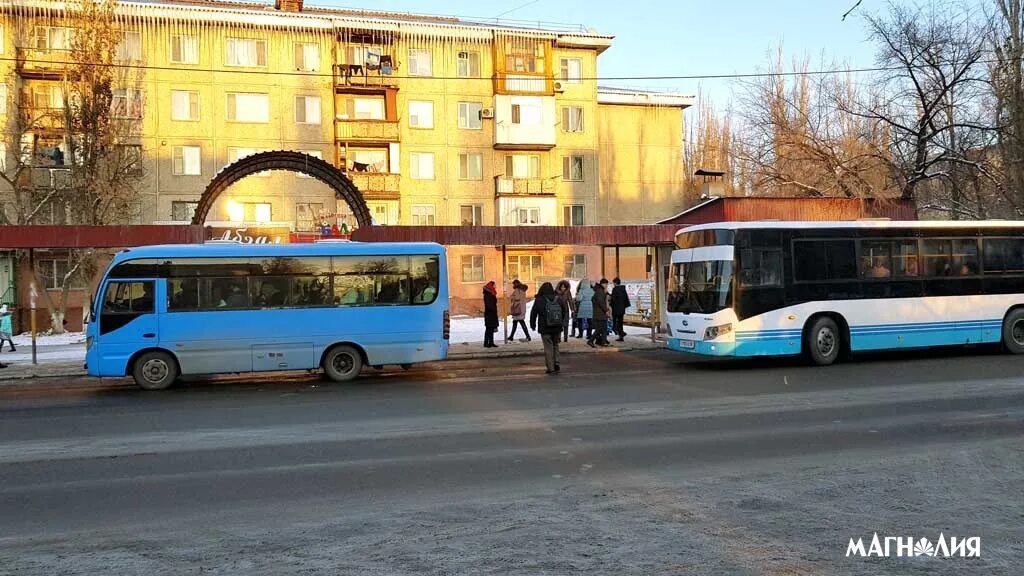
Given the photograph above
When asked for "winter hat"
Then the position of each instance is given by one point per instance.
(3, 309)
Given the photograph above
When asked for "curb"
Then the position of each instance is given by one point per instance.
(35, 375)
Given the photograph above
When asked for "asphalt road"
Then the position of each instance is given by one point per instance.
(642, 463)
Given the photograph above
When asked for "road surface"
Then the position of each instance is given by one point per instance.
(634, 463)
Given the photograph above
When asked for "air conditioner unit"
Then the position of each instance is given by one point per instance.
(559, 86)
(487, 113)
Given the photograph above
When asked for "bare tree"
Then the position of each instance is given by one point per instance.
(709, 145)
(1007, 81)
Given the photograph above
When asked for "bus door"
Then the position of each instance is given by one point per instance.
(128, 321)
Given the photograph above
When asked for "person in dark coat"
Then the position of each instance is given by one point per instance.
(490, 314)
(550, 334)
(600, 302)
(619, 301)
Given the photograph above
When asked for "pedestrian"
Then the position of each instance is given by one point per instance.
(620, 302)
(5, 328)
(600, 300)
(548, 318)
(518, 309)
(585, 307)
(490, 314)
(564, 292)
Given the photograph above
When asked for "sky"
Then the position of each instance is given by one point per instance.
(683, 37)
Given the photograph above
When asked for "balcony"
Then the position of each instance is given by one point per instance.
(46, 178)
(355, 76)
(523, 83)
(523, 186)
(44, 120)
(366, 131)
(376, 185)
(38, 64)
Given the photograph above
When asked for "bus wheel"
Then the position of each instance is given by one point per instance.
(155, 371)
(823, 341)
(1013, 331)
(343, 363)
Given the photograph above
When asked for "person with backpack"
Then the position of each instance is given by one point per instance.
(490, 314)
(564, 291)
(600, 301)
(518, 309)
(550, 310)
(585, 307)
(5, 328)
(620, 302)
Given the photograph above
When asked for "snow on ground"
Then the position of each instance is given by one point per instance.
(25, 339)
(466, 329)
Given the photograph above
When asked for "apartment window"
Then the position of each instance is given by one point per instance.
(127, 103)
(471, 214)
(362, 108)
(525, 268)
(527, 216)
(53, 271)
(307, 56)
(53, 38)
(368, 159)
(522, 166)
(423, 215)
(44, 97)
(307, 109)
(187, 161)
(572, 119)
(130, 47)
(184, 105)
(184, 49)
(257, 212)
(530, 113)
(421, 165)
(421, 114)
(575, 266)
(3, 38)
(235, 154)
(472, 268)
(183, 211)
(130, 156)
(3, 166)
(314, 154)
(572, 70)
(572, 168)
(469, 115)
(246, 52)
(468, 65)
(248, 107)
(307, 216)
(572, 215)
(471, 166)
(419, 62)
(3, 98)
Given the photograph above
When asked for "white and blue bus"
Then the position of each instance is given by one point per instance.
(825, 289)
(215, 308)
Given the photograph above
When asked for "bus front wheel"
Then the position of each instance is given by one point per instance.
(1013, 331)
(343, 363)
(823, 341)
(155, 371)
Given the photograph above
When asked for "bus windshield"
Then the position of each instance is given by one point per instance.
(703, 286)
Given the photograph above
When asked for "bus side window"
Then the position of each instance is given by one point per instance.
(128, 297)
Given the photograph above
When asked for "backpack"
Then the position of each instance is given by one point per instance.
(553, 313)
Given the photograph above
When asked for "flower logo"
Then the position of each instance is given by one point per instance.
(924, 548)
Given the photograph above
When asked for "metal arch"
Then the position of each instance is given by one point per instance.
(290, 161)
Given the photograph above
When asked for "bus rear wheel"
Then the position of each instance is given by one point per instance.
(343, 363)
(155, 371)
(823, 341)
(1013, 331)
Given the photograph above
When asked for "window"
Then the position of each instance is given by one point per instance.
(525, 56)
(307, 109)
(235, 154)
(314, 154)
(248, 107)
(51, 96)
(423, 215)
(572, 168)
(419, 62)
(957, 257)
(469, 115)
(307, 56)
(471, 166)
(184, 49)
(187, 161)
(888, 258)
(1003, 255)
(183, 211)
(362, 108)
(3, 38)
(184, 105)
(472, 268)
(421, 114)
(128, 297)
(127, 103)
(307, 216)
(529, 112)
(525, 268)
(3, 99)
(368, 159)
(522, 166)
(471, 214)
(572, 119)
(526, 216)
(761, 267)
(572, 215)
(575, 266)
(3, 166)
(468, 65)
(421, 165)
(817, 260)
(246, 52)
(53, 271)
(129, 49)
(130, 156)
(572, 70)
(53, 38)
(257, 212)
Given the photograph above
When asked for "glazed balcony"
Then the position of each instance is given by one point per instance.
(523, 186)
(376, 185)
(366, 131)
(47, 64)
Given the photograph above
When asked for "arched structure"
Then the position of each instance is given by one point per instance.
(284, 160)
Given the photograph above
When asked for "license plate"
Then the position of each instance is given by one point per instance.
(687, 343)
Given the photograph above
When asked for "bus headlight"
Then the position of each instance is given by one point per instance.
(713, 332)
